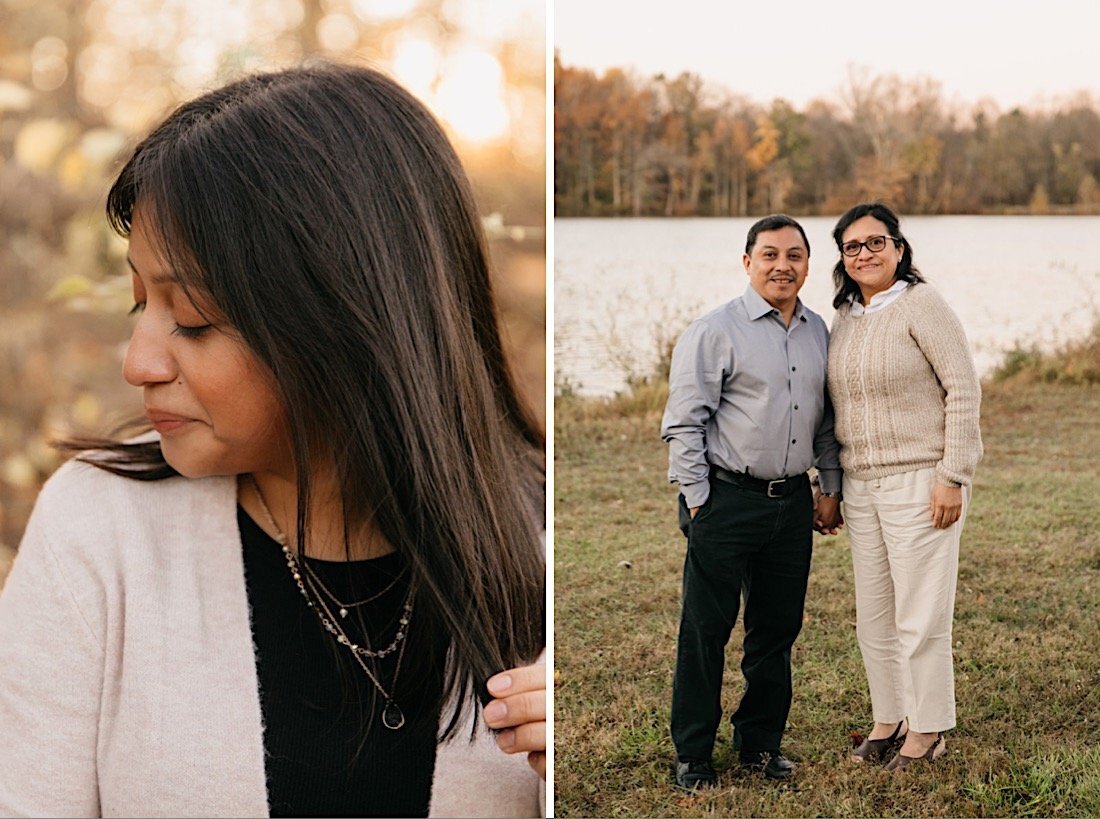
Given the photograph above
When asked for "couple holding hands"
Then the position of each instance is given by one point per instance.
(887, 411)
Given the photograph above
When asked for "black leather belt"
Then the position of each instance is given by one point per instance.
(773, 489)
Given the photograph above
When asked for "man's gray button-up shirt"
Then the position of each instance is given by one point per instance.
(747, 393)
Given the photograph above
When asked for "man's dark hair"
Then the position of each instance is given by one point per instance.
(773, 222)
(845, 285)
(323, 212)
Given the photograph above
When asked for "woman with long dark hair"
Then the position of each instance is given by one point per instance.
(295, 592)
(906, 400)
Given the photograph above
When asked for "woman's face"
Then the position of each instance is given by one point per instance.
(872, 271)
(208, 396)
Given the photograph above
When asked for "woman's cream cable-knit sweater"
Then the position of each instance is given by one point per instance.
(904, 390)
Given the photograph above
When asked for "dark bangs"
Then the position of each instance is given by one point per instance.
(324, 213)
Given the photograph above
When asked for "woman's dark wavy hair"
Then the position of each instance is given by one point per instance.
(323, 211)
(845, 285)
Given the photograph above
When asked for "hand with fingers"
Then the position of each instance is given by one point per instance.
(827, 517)
(519, 713)
(947, 503)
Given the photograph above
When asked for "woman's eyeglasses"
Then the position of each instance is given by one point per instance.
(873, 244)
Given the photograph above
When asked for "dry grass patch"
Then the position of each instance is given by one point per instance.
(1026, 628)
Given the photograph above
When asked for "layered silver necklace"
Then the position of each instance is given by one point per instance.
(313, 592)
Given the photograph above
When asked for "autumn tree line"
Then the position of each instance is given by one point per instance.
(673, 146)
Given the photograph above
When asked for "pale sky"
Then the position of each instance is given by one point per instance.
(1015, 52)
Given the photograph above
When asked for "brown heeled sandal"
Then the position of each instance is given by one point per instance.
(877, 750)
(901, 761)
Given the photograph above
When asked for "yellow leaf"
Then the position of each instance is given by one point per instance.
(73, 170)
(87, 410)
(39, 142)
(14, 97)
(18, 472)
(69, 287)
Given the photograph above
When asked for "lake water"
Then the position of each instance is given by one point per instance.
(622, 287)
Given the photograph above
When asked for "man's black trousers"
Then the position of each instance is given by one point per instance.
(740, 543)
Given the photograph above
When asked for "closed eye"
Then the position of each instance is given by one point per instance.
(137, 308)
(196, 331)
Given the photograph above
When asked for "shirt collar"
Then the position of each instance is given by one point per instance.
(756, 307)
(896, 287)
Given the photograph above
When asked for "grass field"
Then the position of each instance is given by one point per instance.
(1027, 632)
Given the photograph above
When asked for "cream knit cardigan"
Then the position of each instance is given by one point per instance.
(128, 681)
(904, 391)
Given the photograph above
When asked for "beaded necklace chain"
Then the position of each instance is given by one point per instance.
(342, 608)
(392, 715)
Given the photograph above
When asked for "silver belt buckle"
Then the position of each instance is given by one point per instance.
(782, 482)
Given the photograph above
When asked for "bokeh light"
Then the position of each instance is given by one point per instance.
(470, 95)
(81, 82)
(416, 65)
(383, 9)
(49, 66)
(337, 33)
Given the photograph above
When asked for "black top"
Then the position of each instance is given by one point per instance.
(327, 752)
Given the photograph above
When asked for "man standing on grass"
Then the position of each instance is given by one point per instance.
(747, 416)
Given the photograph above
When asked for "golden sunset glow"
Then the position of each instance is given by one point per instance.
(470, 96)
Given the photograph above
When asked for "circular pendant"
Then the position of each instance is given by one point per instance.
(343, 612)
(392, 717)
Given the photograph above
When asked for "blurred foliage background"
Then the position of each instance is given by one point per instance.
(82, 80)
(630, 145)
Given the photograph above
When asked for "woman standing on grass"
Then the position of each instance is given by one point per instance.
(285, 598)
(906, 399)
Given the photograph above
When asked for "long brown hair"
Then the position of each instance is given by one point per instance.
(324, 213)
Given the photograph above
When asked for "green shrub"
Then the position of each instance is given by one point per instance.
(1074, 362)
